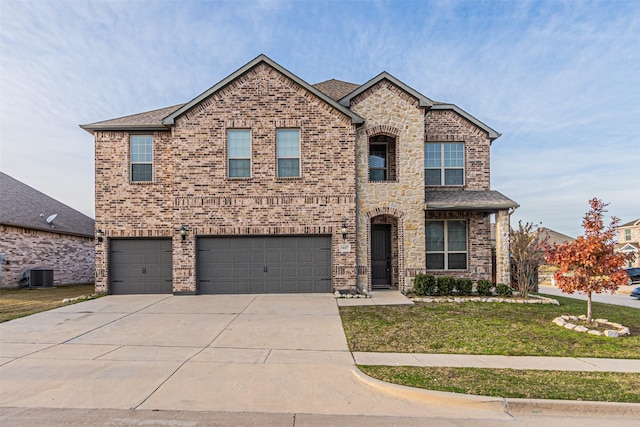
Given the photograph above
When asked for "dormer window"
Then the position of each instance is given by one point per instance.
(444, 164)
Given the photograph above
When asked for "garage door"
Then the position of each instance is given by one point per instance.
(140, 266)
(260, 264)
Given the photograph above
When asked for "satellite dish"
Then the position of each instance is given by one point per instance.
(50, 219)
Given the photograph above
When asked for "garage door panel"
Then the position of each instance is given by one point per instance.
(139, 266)
(264, 264)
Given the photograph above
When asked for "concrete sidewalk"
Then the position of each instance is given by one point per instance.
(499, 362)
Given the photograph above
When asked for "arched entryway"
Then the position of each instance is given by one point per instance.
(385, 251)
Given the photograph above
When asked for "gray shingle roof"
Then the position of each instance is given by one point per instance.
(336, 89)
(630, 223)
(21, 206)
(150, 120)
(465, 200)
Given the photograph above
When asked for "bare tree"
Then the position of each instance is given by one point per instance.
(527, 253)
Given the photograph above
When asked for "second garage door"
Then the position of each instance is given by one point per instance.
(260, 264)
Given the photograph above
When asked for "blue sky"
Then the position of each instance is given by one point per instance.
(560, 80)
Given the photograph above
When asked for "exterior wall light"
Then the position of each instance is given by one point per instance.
(99, 235)
(183, 232)
(344, 231)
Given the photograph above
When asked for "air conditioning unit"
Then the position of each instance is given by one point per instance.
(37, 277)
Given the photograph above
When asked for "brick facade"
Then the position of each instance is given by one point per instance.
(191, 186)
(71, 257)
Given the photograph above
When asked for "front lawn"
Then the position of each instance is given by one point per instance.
(487, 328)
(16, 303)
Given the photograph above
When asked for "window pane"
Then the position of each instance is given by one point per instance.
(432, 177)
(453, 177)
(288, 167)
(239, 168)
(288, 143)
(457, 235)
(141, 172)
(435, 235)
(141, 148)
(377, 175)
(454, 155)
(457, 261)
(435, 261)
(239, 143)
(377, 156)
(432, 155)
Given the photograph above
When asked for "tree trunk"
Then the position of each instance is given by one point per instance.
(589, 307)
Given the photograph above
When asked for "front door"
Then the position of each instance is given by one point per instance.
(381, 256)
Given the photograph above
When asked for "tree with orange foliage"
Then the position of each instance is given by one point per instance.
(589, 264)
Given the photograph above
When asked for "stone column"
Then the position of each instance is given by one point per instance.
(503, 264)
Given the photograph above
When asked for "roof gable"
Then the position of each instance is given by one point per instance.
(24, 206)
(170, 119)
(336, 89)
(423, 101)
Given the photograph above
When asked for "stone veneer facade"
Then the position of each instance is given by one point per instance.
(71, 257)
(190, 184)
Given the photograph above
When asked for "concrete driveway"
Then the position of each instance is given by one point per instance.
(260, 353)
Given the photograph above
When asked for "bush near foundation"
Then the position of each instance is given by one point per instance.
(424, 284)
(464, 286)
(446, 285)
(504, 290)
(484, 288)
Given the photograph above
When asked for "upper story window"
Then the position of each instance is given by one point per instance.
(444, 163)
(239, 153)
(382, 153)
(377, 162)
(288, 152)
(446, 243)
(627, 234)
(141, 158)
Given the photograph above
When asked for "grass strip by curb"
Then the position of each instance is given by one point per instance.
(514, 383)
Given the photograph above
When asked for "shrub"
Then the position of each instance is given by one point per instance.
(424, 284)
(504, 290)
(484, 288)
(464, 286)
(446, 285)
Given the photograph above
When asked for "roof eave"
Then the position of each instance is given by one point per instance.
(133, 128)
(482, 208)
(492, 133)
(48, 229)
(170, 119)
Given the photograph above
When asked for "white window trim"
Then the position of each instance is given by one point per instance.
(229, 158)
(299, 157)
(446, 251)
(131, 162)
(442, 167)
(386, 159)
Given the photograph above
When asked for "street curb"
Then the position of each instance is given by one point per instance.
(498, 404)
(585, 408)
(431, 397)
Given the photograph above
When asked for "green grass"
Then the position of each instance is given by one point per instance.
(512, 383)
(15, 303)
(487, 328)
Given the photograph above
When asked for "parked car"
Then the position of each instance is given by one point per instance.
(636, 293)
(634, 275)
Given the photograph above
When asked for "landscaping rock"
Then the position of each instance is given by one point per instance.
(569, 325)
(580, 328)
(592, 332)
(611, 333)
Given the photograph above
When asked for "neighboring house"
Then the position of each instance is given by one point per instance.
(265, 183)
(545, 271)
(31, 237)
(629, 241)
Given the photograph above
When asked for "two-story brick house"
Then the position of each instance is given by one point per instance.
(265, 183)
(629, 241)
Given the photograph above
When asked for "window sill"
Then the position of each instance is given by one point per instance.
(288, 178)
(388, 181)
